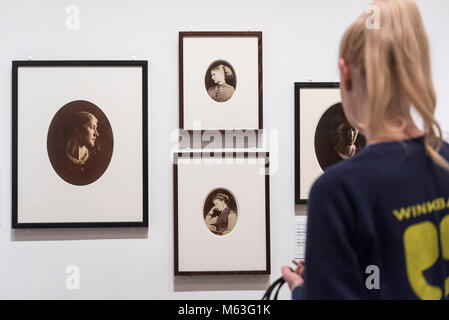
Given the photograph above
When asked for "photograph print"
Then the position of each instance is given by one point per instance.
(80, 151)
(220, 211)
(335, 138)
(323, 135)
(77, 151)
(220, 80)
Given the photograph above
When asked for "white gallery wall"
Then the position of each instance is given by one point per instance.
(300, 42)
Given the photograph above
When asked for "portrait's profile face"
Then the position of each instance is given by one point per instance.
(89, 133)
(220, 211)
(218, 76)
(80, 143)
(220, 81)
(219, 204)
(335, 138)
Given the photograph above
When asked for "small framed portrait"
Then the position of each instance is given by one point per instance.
(221, 225)
(220, 80)
(80, 156)
(323, 135)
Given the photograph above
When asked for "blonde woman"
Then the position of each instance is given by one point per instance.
(378, 223)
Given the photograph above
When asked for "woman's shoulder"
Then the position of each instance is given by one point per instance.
(376, 164)
(228, 210)
(363, 169)
(228, 87)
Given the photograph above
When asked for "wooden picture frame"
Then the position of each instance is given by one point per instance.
(193, 236)
(235, 94)
(79, 144)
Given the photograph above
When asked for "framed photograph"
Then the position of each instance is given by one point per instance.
(323, 135)
(221, 213)
(80, 154)
(220, 81)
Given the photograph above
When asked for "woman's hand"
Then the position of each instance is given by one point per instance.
(211, 221)
(295, 277)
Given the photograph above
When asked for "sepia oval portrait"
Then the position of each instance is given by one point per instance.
(335, 138)
(220, 81)
(220, 211)
(80, 142)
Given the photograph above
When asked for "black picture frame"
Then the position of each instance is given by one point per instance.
(16, 65)
(297, 88)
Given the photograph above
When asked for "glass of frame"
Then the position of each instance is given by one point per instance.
(323, 135)
(220, 80)
(221, 225)
(80, 156)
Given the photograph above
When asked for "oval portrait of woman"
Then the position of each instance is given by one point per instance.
(335, 138)
(220, 211)
(80, 142)
(220, 81)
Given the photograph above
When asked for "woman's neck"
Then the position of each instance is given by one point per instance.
(399, 125)
(410, 132)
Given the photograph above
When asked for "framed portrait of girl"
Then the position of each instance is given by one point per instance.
(220, 81)
(80, 155)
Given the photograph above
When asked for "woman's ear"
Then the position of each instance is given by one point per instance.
(345, 74)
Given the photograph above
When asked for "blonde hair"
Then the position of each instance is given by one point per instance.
(394, 61)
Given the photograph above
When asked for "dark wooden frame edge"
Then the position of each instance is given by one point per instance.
(183, 34)
(176, 155)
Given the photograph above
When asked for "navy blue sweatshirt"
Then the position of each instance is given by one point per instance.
(386, 210)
